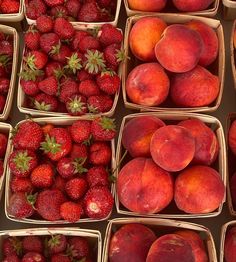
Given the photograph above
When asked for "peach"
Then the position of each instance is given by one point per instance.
(232, 137)
(206, 143)
(137, 135)
(170, 248)
(147, 6)
(199, 189)
(232, 185)
(230, 245)
(144, 35)
(195, 88)
(179, 49)
(234, 38)
(209, 37)
(131, 243)
(196, 243)
(193, 5)
(147, 84)
(138, 186)
(172, 147)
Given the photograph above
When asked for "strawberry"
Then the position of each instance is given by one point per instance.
(108, 82)
(2, 103)
(32, 243)
(104, 3)
(113, 55)
(56, 244)
(44, 24)
(79, 151)
(100, 154)
(52, 68)
(31, 38)
(57, 144)
(60, 257)
(10, 6)
(44, 102)
(33, 256)
(4, 85)
(49, 42)
(98, 202)
(97, 176)
(1, 168)
(47, 128)
(22, 162)
(81, 131)
(103, 129)
(69, 87)
(74, 62)
(76, 188)
(89, 12)
(5, 65)
(24, 133)
(60, 53)
(89, 88)
(11, 258)
(11, 246)
(48, 204)
(59, 183)
(21, 184)
(78, 246)
(6, 48)
(73, 7)
(21, 205)
(36, 60)
(70, 211)
(59, 11)
(89, 42)
(35, 8)
(99, 104)
(79, 35)
(110, 35)
(42, 176)
(83, 75)
(3, 144)
(63, 28)
(76, 105)
(105, 16)
(30, 87)
(54, 2)
(94, 62)
(49, 86)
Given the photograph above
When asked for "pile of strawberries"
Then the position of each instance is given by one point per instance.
(73, 10)
(57, 248)
(6, 54)
(70, 71)
(3, 147)
(9, 6)
(60, 172)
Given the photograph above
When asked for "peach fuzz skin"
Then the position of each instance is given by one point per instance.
(144, 35)
(193, 5)
(137, 135)
(147, 6)
(131, 243)
(199, 190)
(232, 137)
(147, 85)
(230, 245)
(138, 186)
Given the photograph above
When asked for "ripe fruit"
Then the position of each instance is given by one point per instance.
(42, 176)
(103, 129)
(81, 131)
(32, 243)
(76, 188)
(100, 153)
(56, 244)
(70, 211)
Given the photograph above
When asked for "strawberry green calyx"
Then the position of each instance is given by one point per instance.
(74, 63)
(55, 49)
(28, 74)
(31, 199)
(30, 61)
(17, 245)
(92, 109)
(22, 160)
(78, 164)
(120, 55)
(108, 72)
(94, 31)
(5, 60)
(75, 105)
(42, 106)
(95, 62)
(54, 241)
(107, 123)
(50, 145)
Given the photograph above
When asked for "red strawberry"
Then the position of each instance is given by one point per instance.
(54, 2)
(97, 176)
(105, 16)
(79, 35)
(4, 85)
(49, 42)
(56, 244)
(44, 102)
(110, 35)
(21, 205)
(21, 184)
(59, 183)
(24, 133)
(94, 61)
(42, 176)
(103, 129)
(60, 257)
(76, 105)
(59, 11)
(3, 144)
(63, 28)
(99, 104)
(35, 8)
(89, 42)
(32, 243)
(57, 143)
(76, 188)
(83, 75)
(2, 103)
(79, 246)
(36, 60)
(104, 3)
(1, 168)
(33, 257)
(52, 68)
(89, 12)
(47, 128)
(44, 24)
(79, 151)
(6, 48)
(22, 162)
(10, 6)
(48, 204)
(98, 202)
(11, 246)
(73, 7)
(70, 211)
(30, 87)
(61, 53)
(49, 86)
(100, 154)
(31, 38)
(81, 131)
(89, 88)
(74, 63)
(11, 258)
(113, 55)
(69, 87)
(108, 82)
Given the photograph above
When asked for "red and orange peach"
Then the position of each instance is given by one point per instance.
(147, 6)
(193, 5)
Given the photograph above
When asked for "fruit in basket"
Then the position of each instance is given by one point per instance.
(199, 190)
(147, 85)
(121, 249)
(143, 37)
(150, 6)
(32, 243)
(138, 186)
(9, 6)
(142, 128)
(232, 137)
(229, 245)
(80, 247)
(179, 48)
(3, 144)
(70, 211)
(196, 88)
(172, 247)
(192, 6)
(206, 143)
(11, 258)
(33, 256)
(172, 147)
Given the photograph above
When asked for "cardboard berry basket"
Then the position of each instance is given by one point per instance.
(232, 53)
(62, 121)
(161, 227)
(217, 67)
(17, 17)
(171, 211)
(210, 12)
(84, 25)
(11, 31)
(229, 9)
(93, 236)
